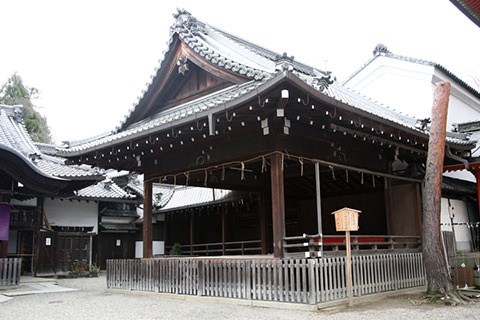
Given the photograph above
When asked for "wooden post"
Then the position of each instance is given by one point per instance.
(319, 206)
(224, 213)
(192, 221)
(438, 277)
(348, 266)
(263, 223)
(477, 176)
(387, 191)
(278, 204)
(147, 219)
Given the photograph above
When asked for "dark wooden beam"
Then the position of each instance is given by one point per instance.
(147, 219)
(262, 217)
(278, 204)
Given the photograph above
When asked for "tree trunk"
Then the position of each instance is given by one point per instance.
(438, 277)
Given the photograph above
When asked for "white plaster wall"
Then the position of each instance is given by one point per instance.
(408, 87)
(72, 213)
(462, 233)
(399, 85)
(158, 248)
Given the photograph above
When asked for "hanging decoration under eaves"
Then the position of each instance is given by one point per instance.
(242, 167)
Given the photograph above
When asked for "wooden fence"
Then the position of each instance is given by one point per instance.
(308, 281)
(10, 269)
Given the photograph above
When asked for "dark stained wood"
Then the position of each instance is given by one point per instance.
(278, 204)
(224, 223)
(388, 203)
(262, 217)
(147, 219)
(192, 230)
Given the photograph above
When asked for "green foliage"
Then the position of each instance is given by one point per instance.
(94, 269)
(176, 249)
(79, 267)
(14, 92)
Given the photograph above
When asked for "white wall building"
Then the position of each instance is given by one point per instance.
(407, 85)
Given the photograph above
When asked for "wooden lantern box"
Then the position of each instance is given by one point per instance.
(346, 219)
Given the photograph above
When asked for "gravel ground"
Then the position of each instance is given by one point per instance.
(94, 301)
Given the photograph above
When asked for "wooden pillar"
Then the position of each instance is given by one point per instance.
(278, 204)
(262, 217)
(387, 191)
(192, 221)
(477, 176)
(224, 227)
(147, 219)
(418, 220)
(318, 200)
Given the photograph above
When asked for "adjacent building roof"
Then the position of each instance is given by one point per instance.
(42, 158)
(185, 197)
(13, 134)
(168, 198)
(382, 51)
(471, 8)
(105, 190)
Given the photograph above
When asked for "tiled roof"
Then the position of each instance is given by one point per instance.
(382, 51)
(228, 52)
(185, 197)
(458, 186)
(118, 226)
(164, 119)
(232, 53)
(104, 190)
(471, 8)
(13, 134)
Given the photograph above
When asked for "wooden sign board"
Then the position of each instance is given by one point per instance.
(346, 219)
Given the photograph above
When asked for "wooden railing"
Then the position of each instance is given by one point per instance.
(10, 269)
(308, 281)
(315, 245)
(219, 248)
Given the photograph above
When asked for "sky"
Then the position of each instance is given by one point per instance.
(90, 60)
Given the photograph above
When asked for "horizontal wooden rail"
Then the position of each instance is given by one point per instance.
(219, 248)
(306, 245)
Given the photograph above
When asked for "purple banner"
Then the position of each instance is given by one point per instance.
(4, 221)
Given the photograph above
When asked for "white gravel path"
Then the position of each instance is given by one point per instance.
(93, 301)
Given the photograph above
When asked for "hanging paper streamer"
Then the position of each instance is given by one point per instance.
(373, 181)
(333, 172)
(4, 221)
(186, 177)
(301, 166)
(206, 177)
(361, 178)
(263, 164)
(346, 175)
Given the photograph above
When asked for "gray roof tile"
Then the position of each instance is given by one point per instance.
(263, 66)
(13, 134)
